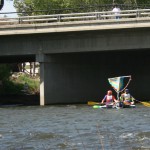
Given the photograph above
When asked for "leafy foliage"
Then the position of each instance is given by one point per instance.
(37, 7)
(33, 83)
(6, 85)
(11, 85)
(5, 72)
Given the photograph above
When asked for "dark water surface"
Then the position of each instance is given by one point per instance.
(74, 127)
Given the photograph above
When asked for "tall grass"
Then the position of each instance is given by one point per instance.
(32, 82)
(15, 85)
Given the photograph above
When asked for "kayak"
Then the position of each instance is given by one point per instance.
(99, 105)
(111, 106)
(129, 106)
(104, 106)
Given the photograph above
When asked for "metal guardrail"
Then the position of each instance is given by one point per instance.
(106, 15)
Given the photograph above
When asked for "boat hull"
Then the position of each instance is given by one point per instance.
(116, 107)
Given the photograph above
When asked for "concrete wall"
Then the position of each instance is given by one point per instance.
(70, 42)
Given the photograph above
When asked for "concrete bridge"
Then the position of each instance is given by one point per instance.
(77, 57)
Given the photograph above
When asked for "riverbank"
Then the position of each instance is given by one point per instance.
(12, 99)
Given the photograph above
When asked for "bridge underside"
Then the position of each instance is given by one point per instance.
(80, 77)
(75, 66)
(17, 58)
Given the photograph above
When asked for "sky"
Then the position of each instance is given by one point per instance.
(8, 7)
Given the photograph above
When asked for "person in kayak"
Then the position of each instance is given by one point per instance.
(109, 99)
(126, 98)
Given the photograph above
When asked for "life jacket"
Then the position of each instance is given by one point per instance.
(109, 98)
(127, 97)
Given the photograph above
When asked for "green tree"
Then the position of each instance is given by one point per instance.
(143, 2)
(34, 7)
(5, 72)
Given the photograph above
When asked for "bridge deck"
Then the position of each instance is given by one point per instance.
(75, 26)
(75, 22)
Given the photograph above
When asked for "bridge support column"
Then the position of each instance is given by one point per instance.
(41, 58)
(42, 94)
(45, 61)
(68, 79)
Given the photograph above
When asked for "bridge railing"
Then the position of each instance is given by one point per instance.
(76, 17)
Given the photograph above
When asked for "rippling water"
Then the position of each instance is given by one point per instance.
(74, 127)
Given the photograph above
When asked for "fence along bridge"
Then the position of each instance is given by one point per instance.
(104, 16)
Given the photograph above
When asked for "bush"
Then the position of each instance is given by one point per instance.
(15, 84)
(32, 82)
(5, 72)
(10, 87)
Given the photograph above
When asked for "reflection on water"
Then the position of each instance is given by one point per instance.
(74, 127)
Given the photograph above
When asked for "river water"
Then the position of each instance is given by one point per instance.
(74, 127)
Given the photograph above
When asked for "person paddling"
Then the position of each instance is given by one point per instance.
(109, 99)
(127, 98)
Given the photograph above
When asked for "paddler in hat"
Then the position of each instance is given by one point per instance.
(127, 98)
